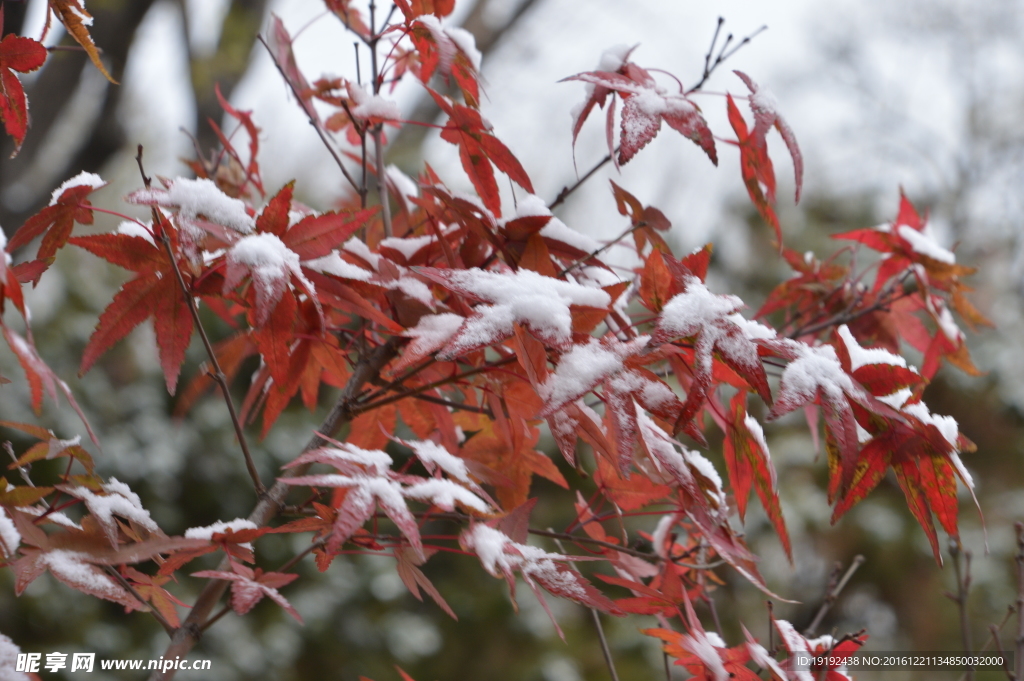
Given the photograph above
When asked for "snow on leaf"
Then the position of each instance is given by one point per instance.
(860, 356)
(430, 334)
(10, 538)
(433, 456)
(578, 371)
(270, 264)
(219, 527)
(924, 242)
(119, 500)
(539, 303)
(502, 557)
(56, 220)
(365, 493)
(371, 108)
(347, 458)
(760, 656)
(402, 186)
(82, 179)
(449, 50)
(766, 114)
(712, 321)
(75, 569)
(645, 107)
(198, 199)
(445, 494)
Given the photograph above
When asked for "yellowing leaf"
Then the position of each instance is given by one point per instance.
(72, 14)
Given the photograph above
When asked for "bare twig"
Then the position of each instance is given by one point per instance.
(596, 619)
(963, 585)
(312, 119)
(1019, 661)
(23, 471)
(454, 405)
(566, 191)
(833, 594)
(994, 638)
(593, 254)
(377, 132)
(213, 620)
(216, 372)
(723, 53)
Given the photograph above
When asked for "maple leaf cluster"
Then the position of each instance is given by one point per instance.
(476, 326)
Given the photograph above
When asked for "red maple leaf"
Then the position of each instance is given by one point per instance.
(155, 292)
(248, 587)
(68, 205)
(22, 55)
(480, 151)
(645, 107)
(746, 457)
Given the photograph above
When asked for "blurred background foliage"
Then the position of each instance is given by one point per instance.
(963, 160)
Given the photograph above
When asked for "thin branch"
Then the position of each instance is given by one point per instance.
(833, 594)
(566, 191)
(1019, 661)
(593, 254)
(377, 132)
(366, 406)
(23, 471)
(213, 620)
(312, 119)
(994, 630)
(963, 585)
(723, 54)
(454, 405)
(217, 373)
(994, 639)
(596, 619)
(299, 556)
